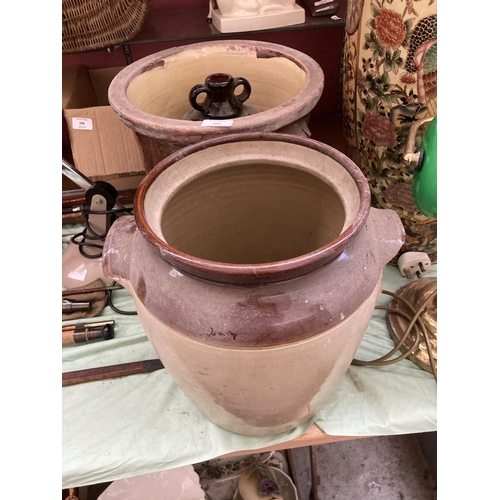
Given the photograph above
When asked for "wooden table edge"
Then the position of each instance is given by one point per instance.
(313, 436)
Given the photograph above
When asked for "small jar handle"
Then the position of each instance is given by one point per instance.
(247, 89)
(195, 92)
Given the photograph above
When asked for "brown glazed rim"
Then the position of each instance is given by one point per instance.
(270, 272)
(158, 126)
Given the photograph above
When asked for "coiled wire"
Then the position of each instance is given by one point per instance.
(416, 325)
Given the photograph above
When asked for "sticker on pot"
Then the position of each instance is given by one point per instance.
(82, 124)
(216, 123)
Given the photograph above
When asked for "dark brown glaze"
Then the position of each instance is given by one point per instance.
(254, 315)
(253, 305)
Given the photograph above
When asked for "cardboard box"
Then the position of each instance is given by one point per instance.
(103, 147)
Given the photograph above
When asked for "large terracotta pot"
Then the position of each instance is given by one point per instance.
(390, 82)
(151, 96)
(255, 262)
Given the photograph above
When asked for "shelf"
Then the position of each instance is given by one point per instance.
(192, 24)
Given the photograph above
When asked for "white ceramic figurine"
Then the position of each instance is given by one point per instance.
(235, 8)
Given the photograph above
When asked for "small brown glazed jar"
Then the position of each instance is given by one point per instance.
(255, 262)
(221, 101)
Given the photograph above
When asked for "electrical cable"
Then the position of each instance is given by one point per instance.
(114, 308)
(416, 324)
(82, 238)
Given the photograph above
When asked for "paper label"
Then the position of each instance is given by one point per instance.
(82, 124)
(216, 123)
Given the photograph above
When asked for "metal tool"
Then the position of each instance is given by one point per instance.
(87, 332)
(81, 260)
(82, 291)
(81, 180)
(71, 305)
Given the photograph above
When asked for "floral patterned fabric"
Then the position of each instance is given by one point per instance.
(390, 82)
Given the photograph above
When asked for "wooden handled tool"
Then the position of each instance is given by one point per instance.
(112, 371)
(87, 332)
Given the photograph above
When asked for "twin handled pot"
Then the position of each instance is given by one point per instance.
(221, 101)
(255, 262)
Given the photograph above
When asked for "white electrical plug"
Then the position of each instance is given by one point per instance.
(413, 264)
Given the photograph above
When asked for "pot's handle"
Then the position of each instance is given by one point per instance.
(389, 231)
(194, 93)
(247, 89)
(117, 249)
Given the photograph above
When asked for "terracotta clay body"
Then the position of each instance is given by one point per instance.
(151, 95)
(255, 263)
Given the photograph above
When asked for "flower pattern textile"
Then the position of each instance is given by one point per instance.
(390, 81)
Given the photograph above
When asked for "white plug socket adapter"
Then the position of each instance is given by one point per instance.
(413, 264)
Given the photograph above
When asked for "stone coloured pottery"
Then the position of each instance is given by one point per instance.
(151, 95)
(255, 262)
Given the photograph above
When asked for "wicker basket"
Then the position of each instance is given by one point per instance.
(97, 24)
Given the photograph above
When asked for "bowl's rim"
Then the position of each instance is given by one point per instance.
(254, 273)
(266, 121)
